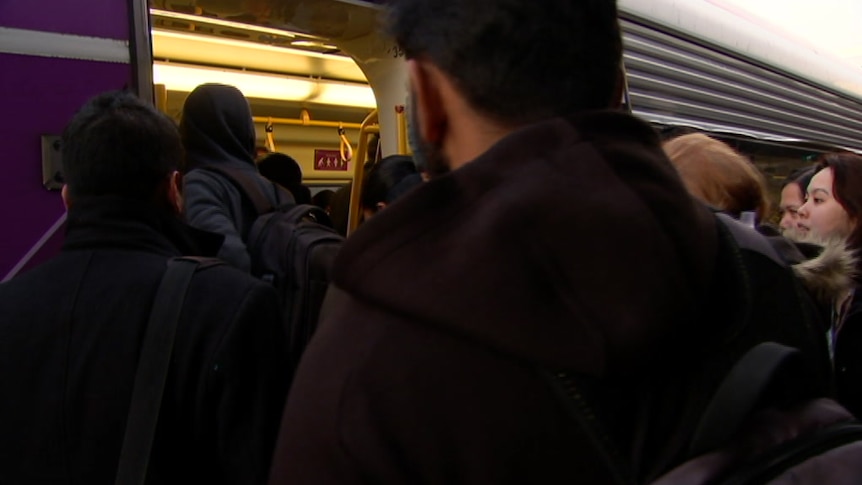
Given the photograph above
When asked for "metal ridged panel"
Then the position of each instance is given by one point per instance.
(676, 80)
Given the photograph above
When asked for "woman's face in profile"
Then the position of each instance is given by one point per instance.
(822, 216)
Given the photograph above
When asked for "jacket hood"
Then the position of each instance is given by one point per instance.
(217, 128)
(571, 243)
(828, 275)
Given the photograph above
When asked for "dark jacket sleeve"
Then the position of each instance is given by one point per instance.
(848, 358)
(215, 206)
(246, 387)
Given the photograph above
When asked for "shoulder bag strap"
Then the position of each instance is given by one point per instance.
(247, 185)
(740, 393)
(153, 370)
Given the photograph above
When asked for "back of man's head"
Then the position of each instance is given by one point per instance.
(285, 171)
(119, 145)
(517, 61)
(281, 168)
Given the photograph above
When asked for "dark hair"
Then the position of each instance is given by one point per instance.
(801, 177)
(285, 171)
(388, 180)
(847, 188)
(117, 144)
(517, 60)
(323, 199)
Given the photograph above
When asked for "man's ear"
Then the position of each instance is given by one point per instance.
(64, 194)
(427, 101)
(175, 191)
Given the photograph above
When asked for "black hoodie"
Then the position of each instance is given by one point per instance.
(217, 130)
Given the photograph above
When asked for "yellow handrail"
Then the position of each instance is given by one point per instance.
(358, 173)
(306, 122)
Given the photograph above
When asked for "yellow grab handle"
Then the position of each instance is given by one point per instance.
(344, 145)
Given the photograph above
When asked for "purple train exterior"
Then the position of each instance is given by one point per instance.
(54, 55)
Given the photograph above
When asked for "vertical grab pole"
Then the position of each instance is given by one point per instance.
(141, 47)
(161, 95)
(358, 172)
(401, 123)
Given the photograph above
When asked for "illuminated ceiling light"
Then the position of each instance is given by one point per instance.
(313, 43)
(268, 86)
(162, 37)
(343, 94)
(199, 19)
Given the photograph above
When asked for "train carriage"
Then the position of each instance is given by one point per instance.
(320, 75)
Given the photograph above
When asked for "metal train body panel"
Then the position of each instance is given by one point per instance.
(700, 65)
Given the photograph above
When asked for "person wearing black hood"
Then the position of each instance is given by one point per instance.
(218, 131)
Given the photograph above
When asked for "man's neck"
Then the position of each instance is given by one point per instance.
(470, 137)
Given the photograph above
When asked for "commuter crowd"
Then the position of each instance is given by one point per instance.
(536, 231)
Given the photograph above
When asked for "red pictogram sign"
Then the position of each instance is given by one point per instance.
(329, 160)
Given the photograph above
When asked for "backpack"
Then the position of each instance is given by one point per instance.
(293, 247)
(751, 409)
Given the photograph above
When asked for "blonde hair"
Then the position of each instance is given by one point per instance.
(719, 176)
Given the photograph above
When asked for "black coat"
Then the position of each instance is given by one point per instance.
(70, 333)
(848, 357)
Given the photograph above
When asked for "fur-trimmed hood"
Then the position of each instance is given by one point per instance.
(829, 270)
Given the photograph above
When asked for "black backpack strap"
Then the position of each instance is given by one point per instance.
(247, 184)
(152, 368)
(794, 452)
(740, 393)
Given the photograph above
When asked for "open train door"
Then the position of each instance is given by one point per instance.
(54, 55)
(354, 27)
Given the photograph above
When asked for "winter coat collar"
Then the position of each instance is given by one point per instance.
(571, 242)
(119, 223)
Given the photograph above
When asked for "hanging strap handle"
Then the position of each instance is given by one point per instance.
(344, 145)
(153, 370)
(270, 141)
